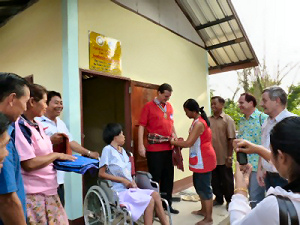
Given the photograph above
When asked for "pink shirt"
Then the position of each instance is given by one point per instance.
(31, 143)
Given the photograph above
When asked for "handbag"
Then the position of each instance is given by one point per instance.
(287, 211)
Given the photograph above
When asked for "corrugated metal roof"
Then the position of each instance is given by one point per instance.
(224, 37)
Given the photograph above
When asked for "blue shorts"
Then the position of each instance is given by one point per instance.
(202, 184)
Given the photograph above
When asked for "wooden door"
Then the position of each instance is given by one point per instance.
(141, 93)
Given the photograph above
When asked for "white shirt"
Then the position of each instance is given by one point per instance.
(266, 212)
(265, 136)
(50, 128)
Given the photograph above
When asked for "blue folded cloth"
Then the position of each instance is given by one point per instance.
(80, 165)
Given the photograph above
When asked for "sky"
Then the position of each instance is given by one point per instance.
(272, 27)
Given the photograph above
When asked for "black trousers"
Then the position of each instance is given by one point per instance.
(222, 183)
(161, 168)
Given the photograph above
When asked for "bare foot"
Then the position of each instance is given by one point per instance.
(205, 221)
(198, 212)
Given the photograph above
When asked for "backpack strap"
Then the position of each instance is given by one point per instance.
(286, 210)
(260, 122)
(292, 211)
(283, 211)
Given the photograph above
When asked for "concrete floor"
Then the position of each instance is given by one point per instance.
(220, 214)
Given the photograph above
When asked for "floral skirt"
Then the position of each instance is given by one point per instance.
(45, 210)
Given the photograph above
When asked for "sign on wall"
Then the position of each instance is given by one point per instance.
(105, 54)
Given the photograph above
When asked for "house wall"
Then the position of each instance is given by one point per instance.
(31, 43)
(150, 54)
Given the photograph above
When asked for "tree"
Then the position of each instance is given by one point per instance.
(293, 103)
(231, 108)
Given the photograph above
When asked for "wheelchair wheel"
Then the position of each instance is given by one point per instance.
(96, 207)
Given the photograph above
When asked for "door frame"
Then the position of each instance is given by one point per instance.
(127, 107)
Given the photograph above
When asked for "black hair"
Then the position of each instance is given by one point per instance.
(285, 136)
(37, 91)
(165, 87)
(11, 83)
(110, 131)
(220, 99)
(193, 106)
(4, 123)
(52, 94)
(250, 98)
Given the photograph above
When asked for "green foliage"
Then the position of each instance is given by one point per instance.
(232, 109)
(293, 103)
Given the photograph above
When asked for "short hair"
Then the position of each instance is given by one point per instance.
(37, 91)
(250, 98)
(165, 87)
(110, 131)
(52, 94)
(11, 83)
(4, 123)
(219, 98)
(277, 92)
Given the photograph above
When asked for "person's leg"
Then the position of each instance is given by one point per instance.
(61, 194)
(155, 165)
(167, 177)
(256, 192)
(197, 183)
(267, 181)
(206, 196)
(148, 214)
(216, 184)
(228, 184)
(159, 210)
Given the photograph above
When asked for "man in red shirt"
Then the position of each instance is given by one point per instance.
(157, 118)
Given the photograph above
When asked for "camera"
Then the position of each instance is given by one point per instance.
(242, 158)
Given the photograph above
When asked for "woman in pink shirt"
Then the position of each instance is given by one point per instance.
(37, 156)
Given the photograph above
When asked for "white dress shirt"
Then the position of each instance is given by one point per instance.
(265, 136)
(50, 128)
(266, 212)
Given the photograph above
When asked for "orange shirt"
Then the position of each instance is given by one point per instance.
(153, 119)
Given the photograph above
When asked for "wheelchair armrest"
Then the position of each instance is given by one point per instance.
(107, 183)
(143, 181)
(144, 173)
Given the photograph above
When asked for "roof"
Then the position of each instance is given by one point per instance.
(225, 39)
(10, 8)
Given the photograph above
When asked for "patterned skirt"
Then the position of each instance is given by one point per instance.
(45, 210)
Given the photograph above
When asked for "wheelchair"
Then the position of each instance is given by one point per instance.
(101, 205)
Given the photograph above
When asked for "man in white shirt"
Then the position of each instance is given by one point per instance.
(274, 100)
(53, 127)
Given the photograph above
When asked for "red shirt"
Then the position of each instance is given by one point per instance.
(152, 118)
(203, 150)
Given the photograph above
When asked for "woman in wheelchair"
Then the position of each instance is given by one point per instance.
(115, 166)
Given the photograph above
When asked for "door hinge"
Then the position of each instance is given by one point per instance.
(129, 90)
(131, 144)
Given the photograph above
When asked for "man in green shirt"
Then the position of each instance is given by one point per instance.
(250, 130)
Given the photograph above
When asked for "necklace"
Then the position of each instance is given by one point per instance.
(163, 109)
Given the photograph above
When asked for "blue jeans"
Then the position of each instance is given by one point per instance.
(256, 192)
(202, 184)
(273, 180)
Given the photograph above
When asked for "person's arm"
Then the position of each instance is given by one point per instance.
(39, 162)
(83, 151)
(102, 174)
(260, 175)
(250, 148)
(141, 146)
(11, 210)
(197, 130)
(228, 161)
